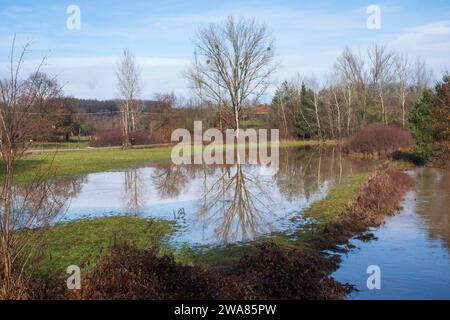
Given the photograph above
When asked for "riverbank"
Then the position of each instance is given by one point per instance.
(263, 269)
(71, 163)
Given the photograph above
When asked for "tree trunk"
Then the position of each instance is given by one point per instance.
(316, 107)
(125, 127)
(403, 108)
(7, 281)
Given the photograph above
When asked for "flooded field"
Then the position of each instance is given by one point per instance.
(216, 204)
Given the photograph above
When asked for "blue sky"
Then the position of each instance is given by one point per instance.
(309, 35)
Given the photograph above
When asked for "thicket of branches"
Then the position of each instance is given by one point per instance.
(380, 86)
(33, 205)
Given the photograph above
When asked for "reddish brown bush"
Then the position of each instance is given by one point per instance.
(107, 138)
(380, 195)
(271, 272)
(378, 139)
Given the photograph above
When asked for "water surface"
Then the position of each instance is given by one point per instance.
(412, 248)
(216, 205)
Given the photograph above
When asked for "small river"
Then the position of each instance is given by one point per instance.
(411, 248)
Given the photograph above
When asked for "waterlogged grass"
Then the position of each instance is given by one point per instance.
(319, 214)
(334, 203)
(70, 163)
(83, 242)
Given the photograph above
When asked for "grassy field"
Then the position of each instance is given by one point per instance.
(83, 242)
(70, 163)
(336, 200)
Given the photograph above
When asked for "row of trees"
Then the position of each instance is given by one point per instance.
(380, 86)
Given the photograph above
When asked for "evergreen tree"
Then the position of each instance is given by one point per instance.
(421, 124)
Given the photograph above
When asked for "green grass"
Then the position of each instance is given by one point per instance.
(334, 203)
(299, 143)
(83, 242)
(71, 163)
(59, 145)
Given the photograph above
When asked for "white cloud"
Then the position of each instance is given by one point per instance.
(430, 41)
(95, 77)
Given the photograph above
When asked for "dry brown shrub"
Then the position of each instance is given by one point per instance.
(131, 273)
(378, 139)
(275, 272)
(379, 196)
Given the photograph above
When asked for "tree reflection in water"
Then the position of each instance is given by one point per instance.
(235, 203)
(169, 180)
(433, 201)
(134, 190)
(216, 204)
(41, 203)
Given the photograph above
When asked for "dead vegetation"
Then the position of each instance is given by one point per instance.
(378, 140)
(379, 196)
(271, 272)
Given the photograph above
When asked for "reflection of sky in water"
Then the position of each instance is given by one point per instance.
(216, 205)
(414, 261)
(103, 194)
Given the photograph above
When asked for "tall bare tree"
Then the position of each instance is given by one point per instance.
(233, 63)
(382, 67)
(403, 73)
(350, 70)
(129, 88)
(314, 86)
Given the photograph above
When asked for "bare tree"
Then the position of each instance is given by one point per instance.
(379, 86)
(382, 63)
(129, 87)
(350, 70)
(20, 210)
(233, 63)
(421, 76)
(315, 87)
(403, 73)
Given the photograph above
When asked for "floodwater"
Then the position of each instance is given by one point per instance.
(215, 205)
(412, 248)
